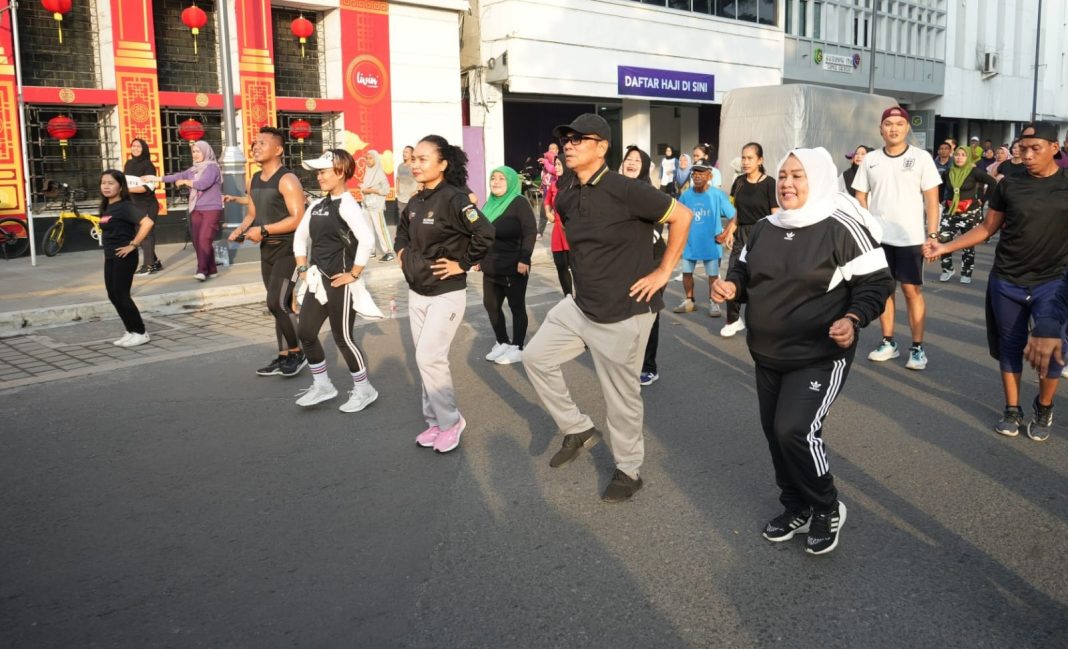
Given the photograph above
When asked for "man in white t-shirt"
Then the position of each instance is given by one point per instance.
(899, 185)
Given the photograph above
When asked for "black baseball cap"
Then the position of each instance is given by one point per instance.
(1041, 130)
(702, 165)
(586, 124)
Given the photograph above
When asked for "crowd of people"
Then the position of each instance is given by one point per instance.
(813, 256)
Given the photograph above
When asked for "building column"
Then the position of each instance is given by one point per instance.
(637, 124)
(12, 183)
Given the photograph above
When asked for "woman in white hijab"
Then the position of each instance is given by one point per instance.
(375, 188)
(813, 275)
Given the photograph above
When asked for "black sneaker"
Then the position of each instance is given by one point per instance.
(389, 256)
(572, 445)
(1041, 422)
(621, 488)
(784, 526)
(825, 529)
(156, 267)
(273, 368)
(143, 270)
(293, 364)
(1010, 423)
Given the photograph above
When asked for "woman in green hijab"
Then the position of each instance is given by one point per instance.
(962, 203)
(506, 267)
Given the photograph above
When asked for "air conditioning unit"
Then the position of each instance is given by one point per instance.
(497, 69)
(990, 62)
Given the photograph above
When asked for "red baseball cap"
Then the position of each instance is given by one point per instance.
(895, 111)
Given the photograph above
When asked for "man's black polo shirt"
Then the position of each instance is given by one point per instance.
(609, 223)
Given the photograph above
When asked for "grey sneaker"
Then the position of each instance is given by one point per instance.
(1041, 422)
(714, 311)
(1010, 423)
(686, 306)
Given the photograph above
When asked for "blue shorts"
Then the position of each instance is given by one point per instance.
(711, 266)
(1013, 308)
(905, 263)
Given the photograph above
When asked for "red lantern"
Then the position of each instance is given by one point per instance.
(194, 18)
(62, 128)
(191, 130)
(302, 28)
(300, 129)
(58, 8)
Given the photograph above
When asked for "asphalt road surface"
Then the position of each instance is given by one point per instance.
(185, 502)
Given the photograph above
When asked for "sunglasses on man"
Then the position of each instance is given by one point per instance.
(577, 138)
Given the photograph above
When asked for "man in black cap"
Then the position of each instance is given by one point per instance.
(1031, 212)
(609, 220)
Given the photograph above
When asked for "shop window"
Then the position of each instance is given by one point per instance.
(324, 135)
(177, 155)
(89, 152)
(180, 68)
(74, 63)
(297, 73)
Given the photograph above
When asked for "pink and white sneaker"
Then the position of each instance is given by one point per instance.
(427, 437)
(449, 438)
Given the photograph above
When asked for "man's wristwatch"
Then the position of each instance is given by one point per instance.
(263, 232)
(932, 235)
(354, 274)
(303, 268)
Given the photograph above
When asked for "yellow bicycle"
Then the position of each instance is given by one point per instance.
(68, 209)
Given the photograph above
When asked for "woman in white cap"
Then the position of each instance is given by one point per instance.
(813, 275)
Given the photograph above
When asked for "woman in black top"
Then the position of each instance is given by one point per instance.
(965, 188)
(124, 227)
(856, 157)
(506, 267)
(753, 194)
(143, 196)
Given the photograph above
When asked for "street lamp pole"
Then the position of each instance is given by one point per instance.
(1038, 52)
(871, 54)
(16, 56)
(233, 158)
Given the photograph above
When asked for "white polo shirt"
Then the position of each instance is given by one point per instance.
(895, 186)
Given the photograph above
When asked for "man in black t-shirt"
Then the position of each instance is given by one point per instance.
(609, 220)
(1031, 211)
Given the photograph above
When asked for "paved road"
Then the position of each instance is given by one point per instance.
(172, 499)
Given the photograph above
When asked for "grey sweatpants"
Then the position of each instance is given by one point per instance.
(434, 321)
(617, 350)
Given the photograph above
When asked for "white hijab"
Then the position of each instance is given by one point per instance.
(823, 195)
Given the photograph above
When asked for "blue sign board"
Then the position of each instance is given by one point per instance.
(667, 84)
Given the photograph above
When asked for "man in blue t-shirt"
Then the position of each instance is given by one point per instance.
(709, 206)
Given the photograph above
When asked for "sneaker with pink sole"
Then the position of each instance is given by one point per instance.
(449, 438)
(427, 437)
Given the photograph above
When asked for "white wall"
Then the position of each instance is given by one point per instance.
(572, 47)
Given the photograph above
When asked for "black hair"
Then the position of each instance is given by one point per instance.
(277, 132)
(674, 152)
(145, 153)
(124, 189)
(647, 162)
(456, 169)
(759, 151)
(709, 151)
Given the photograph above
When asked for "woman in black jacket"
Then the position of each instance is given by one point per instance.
(812, 274)
(963, 195)
(506, 267)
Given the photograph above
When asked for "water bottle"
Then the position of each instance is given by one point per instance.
(392, 308)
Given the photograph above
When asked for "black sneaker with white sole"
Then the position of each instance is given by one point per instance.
(825, 529)
(145, 269)
(1010, 423)
(1041, 422)
(784, 526)
(293, 364)
(273, 368)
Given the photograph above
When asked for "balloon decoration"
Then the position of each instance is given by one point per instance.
(300, 130)
(191, 130)
(302, 28)
(63, 129)
(194, 18)
(58, 8)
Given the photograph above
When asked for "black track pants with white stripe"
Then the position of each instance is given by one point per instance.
(794, 402)
(338, 309)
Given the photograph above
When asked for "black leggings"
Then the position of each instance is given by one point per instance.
(741, 235)
(278, 266)
(513, 289)
(118, 278)
(562, 259)
(793, 405)
(148, 244)
(338, 309)
(649, 364)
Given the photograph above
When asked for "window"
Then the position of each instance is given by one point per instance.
(176, 151)
(324, 135)
(88, 153)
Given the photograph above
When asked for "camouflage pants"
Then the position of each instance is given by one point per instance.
(954, 225)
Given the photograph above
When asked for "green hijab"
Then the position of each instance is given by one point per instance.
(957, 176)
(496, 205)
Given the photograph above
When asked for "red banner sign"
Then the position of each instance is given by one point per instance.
(367, 102)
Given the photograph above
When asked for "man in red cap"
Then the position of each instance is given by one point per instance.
(899, 185)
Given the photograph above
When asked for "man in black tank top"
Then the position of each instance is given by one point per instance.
(275, 204)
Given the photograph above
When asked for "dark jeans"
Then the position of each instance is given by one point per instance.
(562, 259)
(278, 266)
(205, 225)
(495, 290)
(649, 364)
(118, 278)
(338, 309)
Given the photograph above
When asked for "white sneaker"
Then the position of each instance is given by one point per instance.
(917, 359)
(200, 276)
(946, 275)
(361, 396)
(884, 352)
(498, 349)
(511, 355)
(965, 279)
(731, 329)
(317, 393)
(686, 306)
(136, 339)
(121, 342)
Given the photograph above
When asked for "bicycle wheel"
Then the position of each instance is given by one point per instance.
(53, 239)
(14, 238)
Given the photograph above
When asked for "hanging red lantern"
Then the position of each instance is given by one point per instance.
(302, 28)
(194, 18)
(191, 130)
(63, 129)
(300, 130)
(58, 8)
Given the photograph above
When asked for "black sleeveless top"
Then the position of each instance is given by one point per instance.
(329, 251)
(269, 202)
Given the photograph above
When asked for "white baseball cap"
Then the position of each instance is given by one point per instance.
(325, 161)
